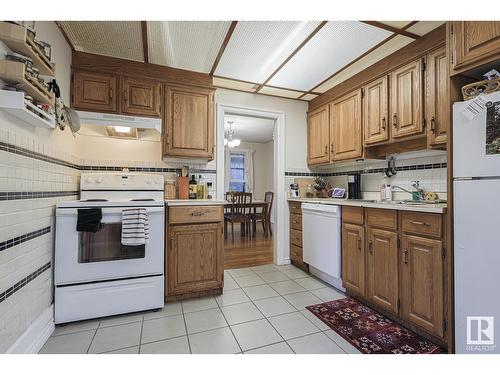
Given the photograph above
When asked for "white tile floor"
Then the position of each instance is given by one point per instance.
(262, 310)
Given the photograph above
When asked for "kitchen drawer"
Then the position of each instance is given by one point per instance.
(295, 253)
(353, 215)
(195, 214)
(295, 208)
(296, 237)
(421, 223)
(296, 222)
(377, 217)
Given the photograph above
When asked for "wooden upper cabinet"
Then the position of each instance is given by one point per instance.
(318, 133)
(353, 258)
(422, 283)
(375, 111)
(195, 258)
(345, 127)
(437, 101)
(94, 91)
(474, 42)
(382, 269)
(189, 122)
(140, 97)
(407, 100)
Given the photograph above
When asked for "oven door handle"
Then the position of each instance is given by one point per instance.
(107, 211)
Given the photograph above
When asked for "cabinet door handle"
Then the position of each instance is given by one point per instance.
(326, 149)
(331, 148)
(405, 256)
(420, 223)
(370, 247)
(125, 95)
(197, 213)
(359, 244)
(383, 123)
(394, 120)
(111, 93)
(433, 124)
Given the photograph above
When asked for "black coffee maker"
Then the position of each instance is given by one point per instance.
(354, 186)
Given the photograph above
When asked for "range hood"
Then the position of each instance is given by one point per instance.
(108, 119)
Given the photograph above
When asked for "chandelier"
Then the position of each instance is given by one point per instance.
(229, 141)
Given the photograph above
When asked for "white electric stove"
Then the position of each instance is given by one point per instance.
(95, 275)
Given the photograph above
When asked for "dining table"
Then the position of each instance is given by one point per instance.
(253, 206)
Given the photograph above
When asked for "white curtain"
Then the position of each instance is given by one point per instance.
(249, 172)
(227, 169)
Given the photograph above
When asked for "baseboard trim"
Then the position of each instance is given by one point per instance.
(33, 339)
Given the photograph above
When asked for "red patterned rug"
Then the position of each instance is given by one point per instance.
(369, 331)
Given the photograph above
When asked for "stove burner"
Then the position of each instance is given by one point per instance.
(94, 200)
(142, 200)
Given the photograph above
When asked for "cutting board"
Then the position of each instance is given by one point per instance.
(303, 182)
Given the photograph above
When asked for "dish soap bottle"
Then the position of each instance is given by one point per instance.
(388, 193)
(193, 187)
(382, 192)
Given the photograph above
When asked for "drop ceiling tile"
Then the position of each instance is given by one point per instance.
(424, 27)
(398, 24)
(334, 46)
(232, 84)
(122, 39)
(378, 54)
(280, 92)
(257, 48)
(190, 45)
(309, 97)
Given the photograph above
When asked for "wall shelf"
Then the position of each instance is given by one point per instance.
(15, 37)
(13, 102)
(14, 72)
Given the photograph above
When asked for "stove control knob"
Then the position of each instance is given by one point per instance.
(148, 181)
(88, 179)
(98, 180)
(157, 181)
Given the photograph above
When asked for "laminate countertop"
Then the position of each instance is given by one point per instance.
(393, 205)
(194, 202)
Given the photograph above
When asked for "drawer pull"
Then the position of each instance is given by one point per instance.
(197, 213)
(420, 223)
(383, 123)
(359, 244)
(395, 120)
(405, 256)
(370, 246)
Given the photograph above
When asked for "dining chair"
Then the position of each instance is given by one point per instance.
(264, 216)
(239, 212)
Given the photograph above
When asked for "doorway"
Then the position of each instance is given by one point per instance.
(249, 169)
(247, 125)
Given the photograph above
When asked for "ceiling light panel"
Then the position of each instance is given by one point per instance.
(309, 97)
(398, 24)
(424, 27)
(257, 48)
(334, 46)
(190, 45)
(122, 39)
(391, 46)
(232, 84)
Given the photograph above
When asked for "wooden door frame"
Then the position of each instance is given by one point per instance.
(281, 252)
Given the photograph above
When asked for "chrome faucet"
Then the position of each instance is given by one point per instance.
(419, 191)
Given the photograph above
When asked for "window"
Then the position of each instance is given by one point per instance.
(237, 179)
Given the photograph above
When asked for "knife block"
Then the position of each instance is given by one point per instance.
(183, 186)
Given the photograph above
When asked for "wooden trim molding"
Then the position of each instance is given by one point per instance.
(160, 73)
(223, 46)
(304, 42)
(393, 29)
(412, 51)
(145, 44)
(66, 37)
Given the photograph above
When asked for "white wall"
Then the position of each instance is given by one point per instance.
(19, 173)
(295, 120)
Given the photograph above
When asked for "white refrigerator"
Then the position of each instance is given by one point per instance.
(476, 187)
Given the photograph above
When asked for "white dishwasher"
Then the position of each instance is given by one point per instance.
(322, 243)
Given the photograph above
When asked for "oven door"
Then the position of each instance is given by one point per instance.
(85, 257)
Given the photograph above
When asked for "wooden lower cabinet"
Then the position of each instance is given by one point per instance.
(195, 258)
(296, 256)
(382, 269)
(422, 283)
(353, 258)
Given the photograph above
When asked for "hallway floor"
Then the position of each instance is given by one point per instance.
(262, 310)
(247, 251)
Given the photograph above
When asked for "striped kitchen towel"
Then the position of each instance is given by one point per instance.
(135, 227)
